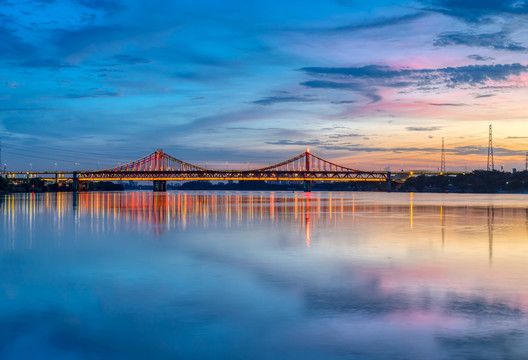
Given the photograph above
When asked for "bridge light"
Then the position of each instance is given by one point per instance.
(307, 150)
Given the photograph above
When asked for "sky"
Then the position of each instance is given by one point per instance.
(91, 84)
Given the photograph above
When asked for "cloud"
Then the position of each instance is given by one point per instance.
(129, 59)
(280, 99)
(25, 109)
(353, 147)
(339, 136)
(497, 41)
(474, 11)
(480, 150)
(252, 129)
(13, 46)
(369, 71)
(75, 41)
(423, 128)
(336, 127)
(343, 102)
(283, 142)
(321, 84)
(379, 23)
(50, 64)
(109, 7)
(480, 58)
(324, 84)
(92, 93)
(336, 147)
(385, 76)
(484, 96)
(104, 70)
(447, 104)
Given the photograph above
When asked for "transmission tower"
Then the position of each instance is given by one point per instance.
(442, 160)
(491, 165)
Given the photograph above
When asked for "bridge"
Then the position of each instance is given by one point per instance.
(160, 167)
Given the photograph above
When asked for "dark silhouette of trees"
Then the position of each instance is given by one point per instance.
(479, 181)
(4, 185)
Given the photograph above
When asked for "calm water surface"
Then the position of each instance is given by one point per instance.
(240, 275)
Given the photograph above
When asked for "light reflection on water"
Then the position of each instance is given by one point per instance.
(263, 275)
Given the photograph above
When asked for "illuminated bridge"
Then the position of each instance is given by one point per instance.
(159, 168)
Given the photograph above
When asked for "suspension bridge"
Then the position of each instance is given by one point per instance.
(160, 167)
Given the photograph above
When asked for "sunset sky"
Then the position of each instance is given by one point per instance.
(92, 84)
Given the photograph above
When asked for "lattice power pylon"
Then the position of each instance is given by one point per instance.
(491, 164)
(442, 160)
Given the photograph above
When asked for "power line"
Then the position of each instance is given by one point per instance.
(31, 156)
(61, 149)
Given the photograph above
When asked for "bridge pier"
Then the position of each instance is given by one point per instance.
(75, 181)
(159, 185)
(79, 185)
(389, 189)
(307, 186)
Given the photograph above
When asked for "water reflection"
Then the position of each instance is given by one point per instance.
(163, 212)
(491, 218)
(263, 275)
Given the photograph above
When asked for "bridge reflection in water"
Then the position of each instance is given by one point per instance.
(159, 213)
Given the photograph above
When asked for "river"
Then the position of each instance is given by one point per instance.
(263, 275)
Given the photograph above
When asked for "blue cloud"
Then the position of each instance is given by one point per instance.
(324, 84)
(92, 93)
(13, 46)
(477, 10)
(380, 23)
(497, 41)
(50, 64)
(376, 75)
(68, 42)
(109, 7)
(281, 99)
(129, 59)
(480, 58)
